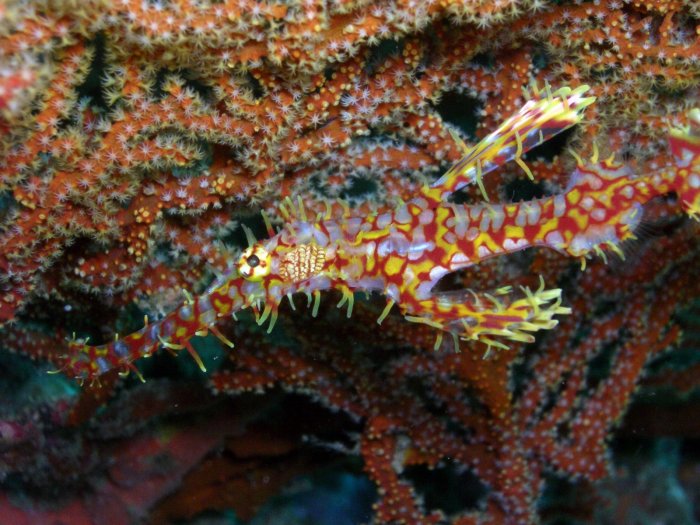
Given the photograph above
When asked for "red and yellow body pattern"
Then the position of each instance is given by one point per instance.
(403, 253)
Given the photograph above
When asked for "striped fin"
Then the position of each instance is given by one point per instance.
(537, 121)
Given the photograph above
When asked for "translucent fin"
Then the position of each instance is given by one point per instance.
(538, 121)
(490, 317)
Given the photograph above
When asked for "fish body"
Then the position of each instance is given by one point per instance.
(404, 252)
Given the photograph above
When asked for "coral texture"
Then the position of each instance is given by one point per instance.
(139, 143)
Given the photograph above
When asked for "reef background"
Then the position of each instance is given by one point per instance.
(138, 136)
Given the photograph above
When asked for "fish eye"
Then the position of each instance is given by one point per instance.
(254, 264)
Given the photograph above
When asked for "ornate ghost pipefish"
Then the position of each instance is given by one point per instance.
(403, 253)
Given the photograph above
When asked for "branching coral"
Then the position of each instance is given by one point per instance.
(137, 137)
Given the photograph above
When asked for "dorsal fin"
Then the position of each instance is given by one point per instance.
(685, 146)
(536, 122)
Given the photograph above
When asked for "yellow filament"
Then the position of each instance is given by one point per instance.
(290, 205)
(195, 356)
(455, 341)
(498, 304)
(460, 143)
(548, 91)
(594, 156)
(423, 320)
(601, 253)
(135, 371)
(390, 303)
(519, 143)
(268, 224)
(579, 160)
(284, 211)
(438, 341)
(273, 321)
(480, 180)
(520, 162)
(266, 312)
(302, 211)
(350, 299)
(221, 337)
(249, 235)
(317, 303)
(614, 247)
(170, 346)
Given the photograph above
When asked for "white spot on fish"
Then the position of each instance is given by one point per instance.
(204, 303)
(121, 348)
(598, 214)
(402, 215)
(352, 226)
(559, 205)
(513, 245)
(498, 215)
(333, 229)
(426, 217)
(554, 239)
(587, 203)
(423, 290)
(594, 182)
(459, 260)
(185, 313)
(383, 220)
(320, 238)
(437, 272)
(392, 291)
(483, 251)
(421, 202)
(395, 243)
(208, 317)
(370, 248)
(371, 283)
(534, 211)
(485, 222)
